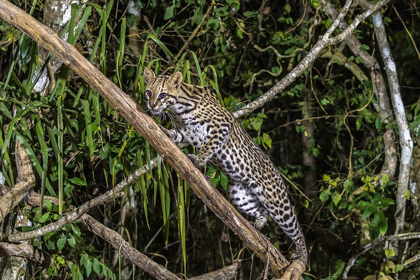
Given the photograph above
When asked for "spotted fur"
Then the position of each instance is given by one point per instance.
(255, 185)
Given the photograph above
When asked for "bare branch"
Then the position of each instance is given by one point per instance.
(404, 132)
(75, 214)
(26, 251)
(367, 247)
(227, 273)
(312, 55)
(154, 269)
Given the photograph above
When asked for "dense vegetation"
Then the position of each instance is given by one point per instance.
(324, 132)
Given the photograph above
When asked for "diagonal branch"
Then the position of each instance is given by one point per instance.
(312, 55)
(75, 214)
(384, 105)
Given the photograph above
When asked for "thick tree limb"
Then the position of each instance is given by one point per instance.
(26, 251)
(384, 105)
(145, 125)
(405, 139)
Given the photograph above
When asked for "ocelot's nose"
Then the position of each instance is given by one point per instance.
(152, 105)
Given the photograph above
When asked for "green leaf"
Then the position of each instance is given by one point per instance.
(84, 259)
(266, 140)
(213, 23)
(364, 47)
(385, 179)
(336, 197)
(348, 185)
(385, 202)
(44, 218)
(170, 11)
(378, 123)
(49, 205)
(250, 14)
(76, 230)
(223, 181)
(367, 209)
(325, 195)
(338, 269)
(382, 222)
(88, 268)
(407, 194)
(71, 241)
(77, 181)
(105, 151)
(389, 253)
(61, 242)
(96, 266)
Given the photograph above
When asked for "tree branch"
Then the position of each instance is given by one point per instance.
(26, 251)
(112, 237)
(75, 214)
(367, 247)
(404, 132)
(25, 182)
(312, 55)
(384, 106)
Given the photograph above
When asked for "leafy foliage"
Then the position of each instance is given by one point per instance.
(81, 147)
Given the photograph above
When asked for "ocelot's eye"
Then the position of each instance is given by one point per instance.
(162, 95)
(148, 94)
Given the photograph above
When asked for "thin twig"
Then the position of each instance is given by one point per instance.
(194, 32)
(367, 247)
(408, 32)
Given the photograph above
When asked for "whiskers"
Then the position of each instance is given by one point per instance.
(164, 116)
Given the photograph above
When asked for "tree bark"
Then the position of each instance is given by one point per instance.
(405, 139)
(384, 105)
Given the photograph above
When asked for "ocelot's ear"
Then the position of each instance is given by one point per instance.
(149, 75)
(175, 80)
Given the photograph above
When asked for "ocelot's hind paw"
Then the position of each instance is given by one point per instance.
(260, 222)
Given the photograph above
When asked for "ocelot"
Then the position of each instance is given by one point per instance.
(255, 186)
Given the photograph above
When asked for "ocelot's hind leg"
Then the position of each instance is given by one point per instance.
(245, 201)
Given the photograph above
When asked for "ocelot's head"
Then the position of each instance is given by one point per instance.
(161, 91)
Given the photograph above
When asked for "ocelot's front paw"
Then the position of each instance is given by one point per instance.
(196, 161)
